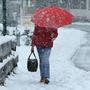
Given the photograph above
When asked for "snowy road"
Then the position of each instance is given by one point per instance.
(83, 27)
(64, 75)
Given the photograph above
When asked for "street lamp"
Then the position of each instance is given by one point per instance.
(4, 17)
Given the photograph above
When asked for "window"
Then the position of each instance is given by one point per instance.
(78, 4)
(83, 4)
(63, 3)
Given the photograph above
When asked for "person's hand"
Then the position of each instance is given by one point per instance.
(32, 49)
(52, 35)
(53, 39)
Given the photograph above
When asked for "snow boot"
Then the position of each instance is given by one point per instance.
(45, 80)
(42, 79)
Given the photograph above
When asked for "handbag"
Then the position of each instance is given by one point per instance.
(32, 64)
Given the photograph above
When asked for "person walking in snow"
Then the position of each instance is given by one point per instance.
(43, 40)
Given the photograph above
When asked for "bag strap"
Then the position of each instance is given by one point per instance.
(32, 52)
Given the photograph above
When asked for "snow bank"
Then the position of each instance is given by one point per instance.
(4, 39)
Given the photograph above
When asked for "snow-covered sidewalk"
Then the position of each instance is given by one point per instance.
(64, 75)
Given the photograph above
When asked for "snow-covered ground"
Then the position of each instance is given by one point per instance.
(64, 75)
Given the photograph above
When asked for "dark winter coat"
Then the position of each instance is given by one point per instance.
(44, 37)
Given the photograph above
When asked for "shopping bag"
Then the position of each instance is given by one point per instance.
(32, 63)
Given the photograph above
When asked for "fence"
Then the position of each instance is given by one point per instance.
(8, 57)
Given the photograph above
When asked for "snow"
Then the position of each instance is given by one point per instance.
(13, 55)
(79, 23)
(4, 39)
(64, 75)
(19, 28)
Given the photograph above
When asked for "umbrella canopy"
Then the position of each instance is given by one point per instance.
(52, 17)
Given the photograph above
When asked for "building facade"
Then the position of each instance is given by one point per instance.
(80, 9)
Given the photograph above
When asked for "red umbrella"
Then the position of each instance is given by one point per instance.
(52, 17)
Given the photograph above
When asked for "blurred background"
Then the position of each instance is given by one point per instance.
(20, 11)
(15, 15)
